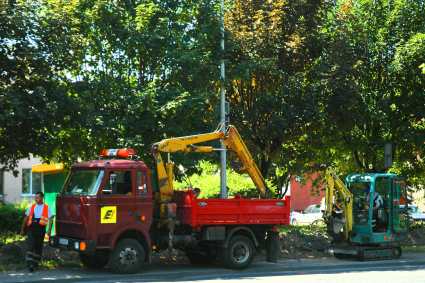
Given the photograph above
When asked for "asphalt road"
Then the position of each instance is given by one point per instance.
(410, 268)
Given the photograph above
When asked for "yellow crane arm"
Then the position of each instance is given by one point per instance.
(187, 143)
(165, 171)
(231, 139)
(234, 142)
(337, 197)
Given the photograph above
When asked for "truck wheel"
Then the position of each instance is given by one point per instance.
(239, 253)
(396, 252)
(98, 260)
(128, 256)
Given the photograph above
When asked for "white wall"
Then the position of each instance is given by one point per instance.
(12, 190)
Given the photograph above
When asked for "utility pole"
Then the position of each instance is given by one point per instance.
(223, 177)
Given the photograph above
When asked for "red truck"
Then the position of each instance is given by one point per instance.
(111, 212)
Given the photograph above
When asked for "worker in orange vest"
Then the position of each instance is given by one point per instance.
(37, 217)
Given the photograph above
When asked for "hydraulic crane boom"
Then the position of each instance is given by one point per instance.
(338, 197)
(235, 143)
(186, 144)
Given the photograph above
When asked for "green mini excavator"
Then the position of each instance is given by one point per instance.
(366, 216)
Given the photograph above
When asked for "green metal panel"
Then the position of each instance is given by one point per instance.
(52, 186)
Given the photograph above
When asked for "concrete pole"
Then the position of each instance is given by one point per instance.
(223, 177)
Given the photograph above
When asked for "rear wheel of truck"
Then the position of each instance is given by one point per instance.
(128, 256)
(98, 260)
(239, 253)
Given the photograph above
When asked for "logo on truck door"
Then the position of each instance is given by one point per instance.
(108, 215)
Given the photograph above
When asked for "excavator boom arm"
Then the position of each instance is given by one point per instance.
(338, 196)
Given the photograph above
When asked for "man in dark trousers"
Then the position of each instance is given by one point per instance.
(37, 218)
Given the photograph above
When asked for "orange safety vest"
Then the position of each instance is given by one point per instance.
(44, 219)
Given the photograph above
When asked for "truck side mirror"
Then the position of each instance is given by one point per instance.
(112, 179)
(108, 189)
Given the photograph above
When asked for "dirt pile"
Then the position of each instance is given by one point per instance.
(416, 236)
(304, 241)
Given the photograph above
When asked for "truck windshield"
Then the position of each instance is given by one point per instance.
(83, 182)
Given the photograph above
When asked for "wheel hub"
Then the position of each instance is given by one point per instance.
(128, 256)
(240, 252)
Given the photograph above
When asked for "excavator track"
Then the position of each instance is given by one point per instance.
(367, 253)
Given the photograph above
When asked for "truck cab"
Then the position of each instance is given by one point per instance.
(102, 202)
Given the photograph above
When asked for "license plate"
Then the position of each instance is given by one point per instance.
(63, 241)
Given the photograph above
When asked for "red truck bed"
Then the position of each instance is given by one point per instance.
(234, 211)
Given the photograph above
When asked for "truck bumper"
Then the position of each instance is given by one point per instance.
(72, 244)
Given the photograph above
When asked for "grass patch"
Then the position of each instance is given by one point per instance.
(10, 238)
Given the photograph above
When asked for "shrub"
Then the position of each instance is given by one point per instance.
(11, 217)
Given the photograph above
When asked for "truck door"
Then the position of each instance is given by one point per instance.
(115, 204)
(143, 203)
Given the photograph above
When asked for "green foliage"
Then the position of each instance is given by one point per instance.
(308, 230)
(209, 182)
(11, 217)
(308, 82)
(371, 84)
(10, 237)
(272, 45)
(422, 67)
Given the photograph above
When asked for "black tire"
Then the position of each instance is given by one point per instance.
(340, 256)
(396, 252)
(127, 257)
(239, 253)
(98, 260)
(200, 257)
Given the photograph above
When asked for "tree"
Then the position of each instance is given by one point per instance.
(32, 99)
(272, 46)
(371, 96)
(125, 74)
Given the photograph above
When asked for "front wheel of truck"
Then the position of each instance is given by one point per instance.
(128, 256)
(239, 253)
(98, 260)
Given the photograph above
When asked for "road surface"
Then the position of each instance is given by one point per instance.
(410, 268)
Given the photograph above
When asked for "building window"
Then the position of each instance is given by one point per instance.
(31, 182)
(1, 182)
(26, 181)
